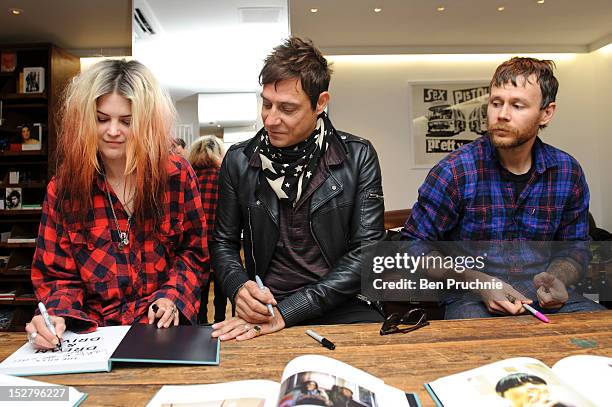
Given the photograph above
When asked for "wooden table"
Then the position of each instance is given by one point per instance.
(404, 361)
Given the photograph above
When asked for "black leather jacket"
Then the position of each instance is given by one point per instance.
(346, 212)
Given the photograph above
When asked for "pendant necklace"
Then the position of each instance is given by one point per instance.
(124, 237)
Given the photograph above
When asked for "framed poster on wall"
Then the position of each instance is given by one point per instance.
(445, 116)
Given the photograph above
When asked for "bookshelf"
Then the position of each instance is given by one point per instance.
(26, 168)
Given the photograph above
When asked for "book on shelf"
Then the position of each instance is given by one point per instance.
(7, 294)
(8, 61)
(581, 380)
(23, 233)
(311, 380)
(20, 83)
(19, 268)
(49, 394)
(24, 297)
(31, 207)
(97, 351)
(4, 259)
(13, 177)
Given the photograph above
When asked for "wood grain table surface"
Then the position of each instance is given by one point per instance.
(405, 361)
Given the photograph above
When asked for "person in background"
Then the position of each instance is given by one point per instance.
(121, 238)
(178, 147)
(205, 156)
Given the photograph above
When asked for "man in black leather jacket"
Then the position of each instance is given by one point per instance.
(304, 198)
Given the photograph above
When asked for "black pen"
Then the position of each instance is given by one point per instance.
(325, 342)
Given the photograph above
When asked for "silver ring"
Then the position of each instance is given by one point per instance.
(247, 328)
(32, 337)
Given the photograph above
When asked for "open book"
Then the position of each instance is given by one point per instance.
(573, 381)
(33, 393)
(95, 352)
(310, 380)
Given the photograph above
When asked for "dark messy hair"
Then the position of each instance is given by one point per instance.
(298, 58)
(515, 380)
(525, 67)
(179, 142)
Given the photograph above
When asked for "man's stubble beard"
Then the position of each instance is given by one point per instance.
(513, 137)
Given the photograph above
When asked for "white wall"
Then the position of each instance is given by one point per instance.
(369, 97)
(187, 110)
(602, 78)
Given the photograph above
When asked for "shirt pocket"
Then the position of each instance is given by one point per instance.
(93, 253)
(541, 222)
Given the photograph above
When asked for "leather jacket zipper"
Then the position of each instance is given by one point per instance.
(373, 195)
(252, 242)
(318, 244)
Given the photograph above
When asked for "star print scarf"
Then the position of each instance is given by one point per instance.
(290, 169)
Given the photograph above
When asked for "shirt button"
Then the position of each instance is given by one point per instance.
(258, 203)
(334, 187)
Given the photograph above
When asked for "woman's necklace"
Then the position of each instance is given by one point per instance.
(124, 237)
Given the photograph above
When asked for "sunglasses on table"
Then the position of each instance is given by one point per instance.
(411, 321)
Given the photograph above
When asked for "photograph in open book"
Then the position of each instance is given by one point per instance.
(518, 382)
(323, 389)
(242, 402)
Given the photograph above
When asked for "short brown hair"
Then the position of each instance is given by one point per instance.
(298, 58)
(525, 67)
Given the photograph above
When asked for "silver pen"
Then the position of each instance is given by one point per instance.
(261, 287)
(50, 326)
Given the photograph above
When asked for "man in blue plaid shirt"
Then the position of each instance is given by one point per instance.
(509, 186)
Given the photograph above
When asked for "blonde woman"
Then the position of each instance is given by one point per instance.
(205, 156)
(121, 238)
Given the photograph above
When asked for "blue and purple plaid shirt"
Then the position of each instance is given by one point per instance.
(465, 198)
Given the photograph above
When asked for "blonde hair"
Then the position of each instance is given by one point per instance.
(147, 151)
(206, 151)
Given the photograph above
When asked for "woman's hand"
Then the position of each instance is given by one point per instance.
(39, 335)
(164, 310)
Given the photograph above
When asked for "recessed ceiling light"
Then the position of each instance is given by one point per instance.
(314, 10)
(540, 2)
(377, 10)
(218, 125)
(441, 8)
(501, 8)
(15, 11)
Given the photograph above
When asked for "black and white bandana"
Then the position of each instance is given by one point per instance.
(290, 169)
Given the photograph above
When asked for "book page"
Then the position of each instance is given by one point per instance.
(511, 382)
(591, 376)
(247, 393)
(314, 380)
(81, 353)
(75, 397)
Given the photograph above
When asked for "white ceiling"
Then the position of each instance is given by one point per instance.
(205, 47)
(205, 43)
(414, 26)
(557, 25)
